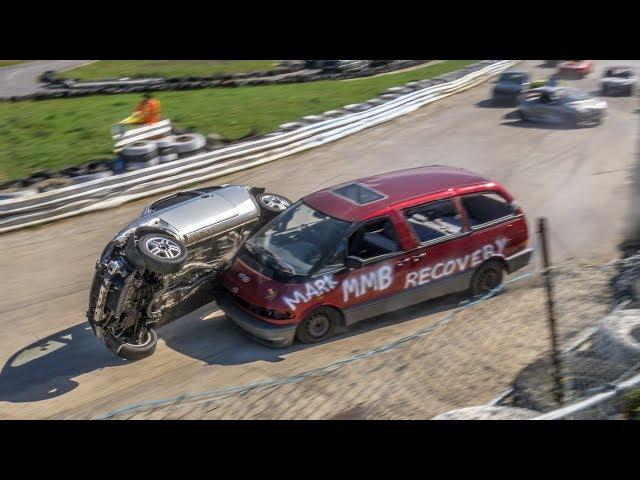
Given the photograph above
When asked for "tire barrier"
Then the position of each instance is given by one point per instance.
(293, 73)
(109, 192)
(617, 337)
(145, 132)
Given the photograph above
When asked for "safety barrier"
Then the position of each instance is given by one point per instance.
(113, 191)
(287, 72)
(141, 133)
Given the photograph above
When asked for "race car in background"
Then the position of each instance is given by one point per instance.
(575, 68)
(509, 86)
(163, 264)
(562, 105)
(619, 80)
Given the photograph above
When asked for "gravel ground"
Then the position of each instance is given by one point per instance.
(465, 362)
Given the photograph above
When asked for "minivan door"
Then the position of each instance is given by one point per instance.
(439, 266)
(366, 287)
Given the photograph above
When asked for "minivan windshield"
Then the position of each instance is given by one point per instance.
(297, 239)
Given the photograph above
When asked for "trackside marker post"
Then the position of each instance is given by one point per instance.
(555, 356)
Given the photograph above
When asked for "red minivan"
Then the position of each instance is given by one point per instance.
(371, 246)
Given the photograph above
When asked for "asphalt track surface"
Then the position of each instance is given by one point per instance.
(53, 366)
(22, 78)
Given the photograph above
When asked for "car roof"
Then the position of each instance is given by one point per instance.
(620, 68)
(389, 189)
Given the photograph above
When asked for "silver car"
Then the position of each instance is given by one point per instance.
(618, 81)
(163, 264)
(562, 105)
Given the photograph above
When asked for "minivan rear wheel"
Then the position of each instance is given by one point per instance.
(487, 277)
(318, 325)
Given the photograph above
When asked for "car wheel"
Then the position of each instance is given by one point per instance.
(318, 325)
(486, 278)
(522, 116)
(631, 91)
(271, 205)
(133, 351)
(161, 253)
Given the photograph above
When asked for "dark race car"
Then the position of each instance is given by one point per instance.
(509, 87)
(618, 81)
(163, 264)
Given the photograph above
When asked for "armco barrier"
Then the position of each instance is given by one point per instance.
(109, 192)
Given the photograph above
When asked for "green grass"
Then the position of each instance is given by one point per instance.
(633, 404)
(54, 134)
(164, 68)
(8, 63)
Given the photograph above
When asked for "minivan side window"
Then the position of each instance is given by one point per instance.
(486, 208)
(374, 239)
(434, 221)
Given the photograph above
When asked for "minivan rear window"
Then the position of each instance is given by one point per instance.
(434, 220)
(486, 207)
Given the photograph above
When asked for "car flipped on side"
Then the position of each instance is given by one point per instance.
(159, 266)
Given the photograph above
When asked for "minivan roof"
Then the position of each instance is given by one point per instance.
(388, 189)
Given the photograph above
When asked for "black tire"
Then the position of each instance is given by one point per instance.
(522, 115)
(271, 204)
(630, 91)
(170, 254)
(131, 351)
(488, 276)
(318, 325)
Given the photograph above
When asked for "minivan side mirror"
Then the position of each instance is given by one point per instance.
(352, 262)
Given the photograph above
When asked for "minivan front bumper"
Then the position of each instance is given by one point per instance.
(519, 260)
(273, 335)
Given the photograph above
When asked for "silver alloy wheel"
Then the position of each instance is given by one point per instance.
(163, 247)
(274, 202)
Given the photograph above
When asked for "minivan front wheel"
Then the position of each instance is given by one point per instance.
(318, 325)
(487, 277)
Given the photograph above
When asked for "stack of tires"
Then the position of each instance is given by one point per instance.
(147, 153)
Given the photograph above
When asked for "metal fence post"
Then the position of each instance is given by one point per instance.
(555, 355)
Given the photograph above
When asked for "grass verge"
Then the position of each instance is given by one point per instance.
(54, 134)
(8, 63)
(164, 68)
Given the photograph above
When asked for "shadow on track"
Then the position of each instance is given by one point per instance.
(45, 368)
(208, 336)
